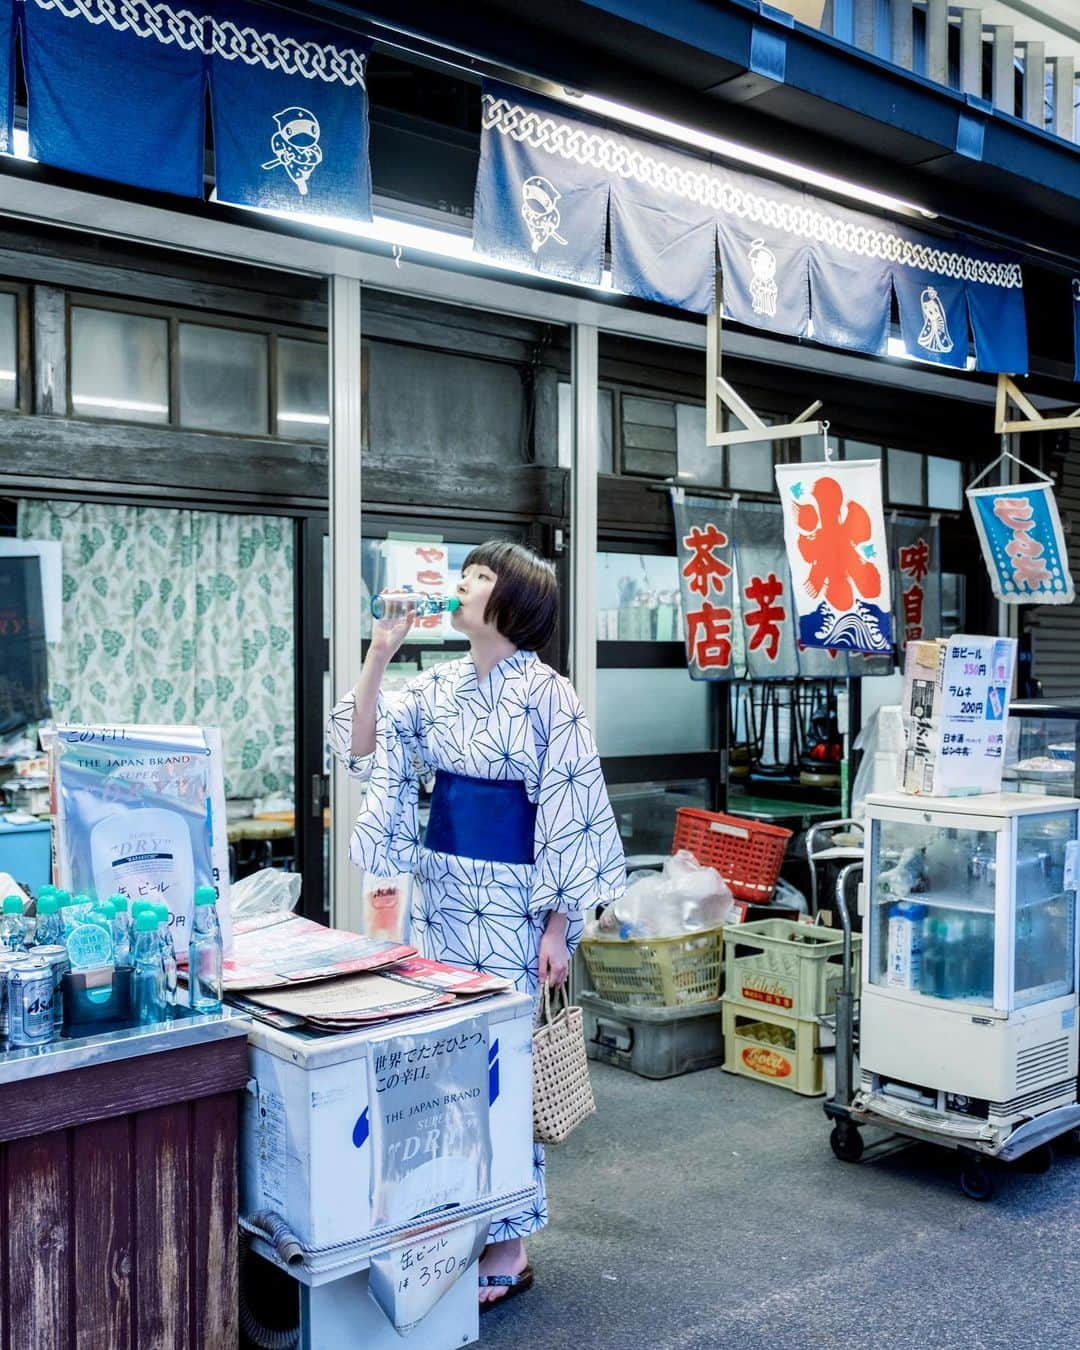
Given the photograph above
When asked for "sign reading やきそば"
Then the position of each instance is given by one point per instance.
(1023, 543)
(834, 529)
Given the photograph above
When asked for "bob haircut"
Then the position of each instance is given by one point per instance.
(524, 602)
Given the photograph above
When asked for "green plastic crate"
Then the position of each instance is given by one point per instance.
(787, 967)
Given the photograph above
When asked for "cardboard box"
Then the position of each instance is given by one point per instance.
(956, 695)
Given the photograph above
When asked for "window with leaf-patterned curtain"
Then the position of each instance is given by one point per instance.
(177, 617)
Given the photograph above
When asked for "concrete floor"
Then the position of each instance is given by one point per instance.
(708, 1211)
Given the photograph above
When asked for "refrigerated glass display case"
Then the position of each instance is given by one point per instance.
(969, 998)
(1040, 748)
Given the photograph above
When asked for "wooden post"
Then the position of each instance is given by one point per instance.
(1064, 124)
(903, 48)
(937, 41)
(971, 76)
(1003, 69)
(1034, 110)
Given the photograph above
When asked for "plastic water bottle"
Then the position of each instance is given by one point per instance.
(205, 954)
(81, 905)
(121, 929)
(168, 950)
(50, 924)
(149, 977)
(13, 925)
(397, 604)
(67, 914)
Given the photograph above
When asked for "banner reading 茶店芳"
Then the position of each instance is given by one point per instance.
(765, 603)
(834, 529)
(1023, 543)
(117, 91)
(703, 537)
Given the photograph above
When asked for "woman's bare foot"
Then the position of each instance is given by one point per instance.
(501, 1258)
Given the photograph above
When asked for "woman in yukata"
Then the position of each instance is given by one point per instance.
(520, 840)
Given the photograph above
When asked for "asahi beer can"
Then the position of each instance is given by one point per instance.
(30, 1004)
(57, 959)
(7, 960)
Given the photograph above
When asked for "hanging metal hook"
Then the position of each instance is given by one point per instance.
(825, 442)
(398, 253)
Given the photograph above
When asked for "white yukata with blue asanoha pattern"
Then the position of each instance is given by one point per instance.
(521, 722)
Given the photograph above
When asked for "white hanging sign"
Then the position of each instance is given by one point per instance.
(1022, 541)
(834, 530)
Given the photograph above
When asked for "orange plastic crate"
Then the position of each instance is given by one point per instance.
(747, 855)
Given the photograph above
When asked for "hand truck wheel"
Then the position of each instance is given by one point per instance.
(976, 1181)
(846, 1141)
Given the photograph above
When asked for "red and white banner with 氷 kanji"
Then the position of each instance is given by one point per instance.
(765, 605)
(834, 529)
(707, 584)
(916, 565)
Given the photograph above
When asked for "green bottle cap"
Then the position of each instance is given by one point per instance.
(47, 889)
(140, 907)
(63, 898)
(453, 603)
(13, 905)
(47, 905)
(205, 895)
(119, 903)
(146, 922)
(107, 908)
(164, 914)
(83, 899)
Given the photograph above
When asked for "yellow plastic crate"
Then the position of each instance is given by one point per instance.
(656, 972)
(780, 965)
(773, 1049)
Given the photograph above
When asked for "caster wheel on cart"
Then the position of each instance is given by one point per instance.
(1039, 1160)
(846, 1141)
(976, 1182)
(1070, 1142)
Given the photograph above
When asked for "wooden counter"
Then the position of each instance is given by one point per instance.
(118, 1190)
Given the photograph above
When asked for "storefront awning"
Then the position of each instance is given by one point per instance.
(117, 91)
(556, 188)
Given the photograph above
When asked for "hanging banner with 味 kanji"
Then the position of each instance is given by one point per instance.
(1023, 543)
(834, 529)
(707, 585)
(916, 564)
(765, 605)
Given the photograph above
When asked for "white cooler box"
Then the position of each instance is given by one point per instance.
(306, 1153)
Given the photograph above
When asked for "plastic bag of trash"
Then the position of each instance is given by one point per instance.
(683, 898)
(267, 892)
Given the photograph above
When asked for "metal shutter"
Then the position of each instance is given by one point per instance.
(1056, 628)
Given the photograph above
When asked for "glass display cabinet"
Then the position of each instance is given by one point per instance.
(1040, 748)
(969, 998)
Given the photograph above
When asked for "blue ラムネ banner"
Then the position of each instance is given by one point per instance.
(116, 91)
(1023, 543)
(1076, 328)
(7, 74)
(290, 117)
(552, 180)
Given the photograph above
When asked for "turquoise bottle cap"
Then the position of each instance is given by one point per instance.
(146, 921)
(13, 905)
(64, 898)
(205, 895)
(453, 603)
(119, 903)
(47, 905)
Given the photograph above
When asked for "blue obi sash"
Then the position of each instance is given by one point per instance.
(481, 818)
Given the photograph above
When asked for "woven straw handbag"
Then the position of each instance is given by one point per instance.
(562, 1093)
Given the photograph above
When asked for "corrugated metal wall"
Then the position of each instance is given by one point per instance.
(1056, 636)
